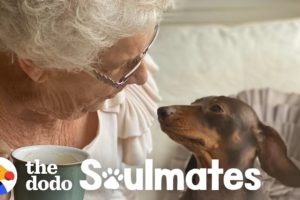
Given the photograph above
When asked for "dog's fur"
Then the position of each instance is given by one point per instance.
(229, 130)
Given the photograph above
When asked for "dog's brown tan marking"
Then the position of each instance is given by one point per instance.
(236, 138)
(228, 130)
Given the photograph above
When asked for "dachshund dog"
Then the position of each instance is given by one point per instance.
(229, 130)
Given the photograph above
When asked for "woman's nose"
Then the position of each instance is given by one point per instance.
(140, 76)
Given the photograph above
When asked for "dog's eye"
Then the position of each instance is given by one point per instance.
(216, 108)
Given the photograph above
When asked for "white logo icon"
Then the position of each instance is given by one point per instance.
(8, 176)
(112, 178)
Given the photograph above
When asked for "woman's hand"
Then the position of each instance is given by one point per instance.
(4, 149)
(5, 197)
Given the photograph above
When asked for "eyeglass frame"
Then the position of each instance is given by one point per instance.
(116, 84)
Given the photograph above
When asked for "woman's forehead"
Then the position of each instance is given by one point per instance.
(127, 48)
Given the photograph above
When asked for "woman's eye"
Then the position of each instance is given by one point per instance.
(216, 109)
(132, 63)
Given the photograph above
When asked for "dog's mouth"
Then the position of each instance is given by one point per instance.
(176, 134)
(195, 141)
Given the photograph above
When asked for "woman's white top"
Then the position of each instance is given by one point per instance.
(124, 136)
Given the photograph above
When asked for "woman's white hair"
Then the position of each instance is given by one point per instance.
(70, 34)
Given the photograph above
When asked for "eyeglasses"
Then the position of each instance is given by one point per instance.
(138, 61)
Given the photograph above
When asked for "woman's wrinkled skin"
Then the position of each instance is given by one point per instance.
(39, 106)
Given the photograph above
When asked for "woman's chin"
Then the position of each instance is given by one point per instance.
(111, 96)
(95, 107)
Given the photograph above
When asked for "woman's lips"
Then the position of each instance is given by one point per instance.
(111, 96)
(99, 102)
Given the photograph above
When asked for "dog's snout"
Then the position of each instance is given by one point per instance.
(164, 112)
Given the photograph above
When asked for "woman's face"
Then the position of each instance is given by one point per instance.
(78, 93)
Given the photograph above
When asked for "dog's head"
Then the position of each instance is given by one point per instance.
(229, 130)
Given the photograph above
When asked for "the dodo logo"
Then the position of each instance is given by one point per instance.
(8, 176)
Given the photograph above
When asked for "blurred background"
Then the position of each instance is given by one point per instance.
(222, 47)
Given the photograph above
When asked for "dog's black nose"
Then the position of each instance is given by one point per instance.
(164, 112)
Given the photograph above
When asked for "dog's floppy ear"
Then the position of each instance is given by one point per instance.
(272, 153)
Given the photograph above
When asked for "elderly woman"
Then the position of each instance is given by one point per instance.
(60, 60)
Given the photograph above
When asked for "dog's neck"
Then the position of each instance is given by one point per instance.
(243, 161)
(215, 195)
(204, 159)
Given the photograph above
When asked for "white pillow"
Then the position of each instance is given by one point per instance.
(198, 61)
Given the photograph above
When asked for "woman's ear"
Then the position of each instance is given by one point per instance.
(272, 154)
(35, 73)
